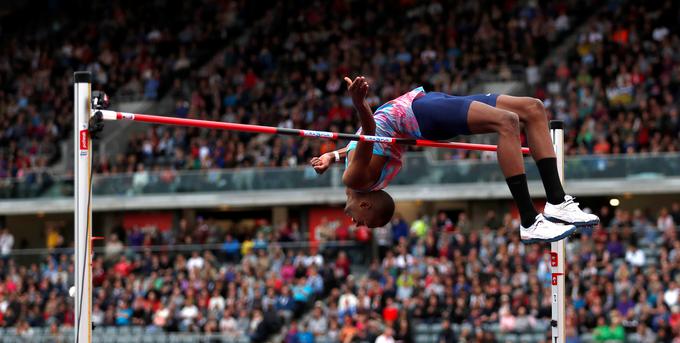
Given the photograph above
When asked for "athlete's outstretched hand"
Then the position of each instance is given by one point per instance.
(357, 89)
(321, 163)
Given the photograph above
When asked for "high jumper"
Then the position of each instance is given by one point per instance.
(438, 116)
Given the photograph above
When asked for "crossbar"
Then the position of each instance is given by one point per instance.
(156, 119)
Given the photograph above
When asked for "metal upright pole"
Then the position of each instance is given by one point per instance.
(83, 207)
(557, 249)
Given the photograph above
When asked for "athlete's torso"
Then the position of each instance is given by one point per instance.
(393, 119)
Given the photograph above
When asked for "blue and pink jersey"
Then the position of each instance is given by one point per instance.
(393, 119)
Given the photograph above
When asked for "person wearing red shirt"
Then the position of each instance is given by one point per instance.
(391, 312)
(123, 267)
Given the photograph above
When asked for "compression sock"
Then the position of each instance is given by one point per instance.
(520, 192)
(547, 167)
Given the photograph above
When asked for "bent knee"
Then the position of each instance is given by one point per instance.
(508, 123)
(535, 109)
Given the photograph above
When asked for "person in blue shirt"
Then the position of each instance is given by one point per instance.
(231, 248)
(123, 314)
(285, 304)
(315, 281)
(301, 293)
(304, 335)
(399, 228)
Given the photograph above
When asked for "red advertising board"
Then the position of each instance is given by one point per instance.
(333, 216)
(161, 220)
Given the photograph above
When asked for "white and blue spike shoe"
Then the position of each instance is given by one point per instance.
(568, 212)
(543, 231)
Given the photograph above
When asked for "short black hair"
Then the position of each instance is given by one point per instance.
(383, 207)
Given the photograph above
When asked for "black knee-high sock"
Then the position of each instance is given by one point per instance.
(520, 192)
(547, 167)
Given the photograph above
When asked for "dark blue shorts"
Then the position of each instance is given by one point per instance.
(441, 116)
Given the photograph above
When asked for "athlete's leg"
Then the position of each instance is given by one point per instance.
(532, 113)
(482, 118)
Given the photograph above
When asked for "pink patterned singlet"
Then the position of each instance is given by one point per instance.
(393, 119)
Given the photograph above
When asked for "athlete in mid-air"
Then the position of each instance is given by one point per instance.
(437, 116)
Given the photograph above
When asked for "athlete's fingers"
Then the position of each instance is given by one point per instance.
(349, 81)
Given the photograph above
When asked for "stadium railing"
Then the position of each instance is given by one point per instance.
(418, 169)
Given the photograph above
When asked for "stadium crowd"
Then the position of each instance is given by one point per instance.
(618, 88)
(470, 283)
(133, 48)
(289, 73)
(283, 68)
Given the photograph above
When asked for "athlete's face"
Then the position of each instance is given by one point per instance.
(358, 207)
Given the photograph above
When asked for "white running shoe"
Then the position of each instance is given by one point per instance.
(543, 230)
(568, 212)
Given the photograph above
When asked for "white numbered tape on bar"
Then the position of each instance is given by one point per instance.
(378, 139)
(311, 133)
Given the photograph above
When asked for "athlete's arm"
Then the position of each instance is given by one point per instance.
(324, 161)
(360, 172)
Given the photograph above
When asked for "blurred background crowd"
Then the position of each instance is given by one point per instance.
(434, 276)
(613, 79)
(616, 86)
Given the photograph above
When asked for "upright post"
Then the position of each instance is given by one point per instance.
(557, 249)
(83, 206)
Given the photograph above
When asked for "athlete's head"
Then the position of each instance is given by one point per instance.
(373, 209)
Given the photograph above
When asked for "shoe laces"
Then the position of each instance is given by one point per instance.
(570, 204)
(537, 222)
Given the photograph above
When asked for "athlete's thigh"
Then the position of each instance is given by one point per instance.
(483, 118)
(521, 105)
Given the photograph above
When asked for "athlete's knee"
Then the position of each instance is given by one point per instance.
(508, 123)
(535, 109)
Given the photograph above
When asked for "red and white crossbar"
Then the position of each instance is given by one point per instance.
(147, 118)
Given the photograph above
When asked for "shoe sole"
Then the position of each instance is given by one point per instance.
(550, 240)
(591, 223)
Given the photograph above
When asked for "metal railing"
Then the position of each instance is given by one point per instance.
(418, 169)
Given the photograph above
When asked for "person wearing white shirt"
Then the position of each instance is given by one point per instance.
(216, 303)
(228, 324)
(386, 337)
(6, 243)
(188, 313)
(670, 297)
(196, 261)
(347, 301)
(635, 256)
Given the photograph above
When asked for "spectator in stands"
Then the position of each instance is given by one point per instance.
(635, 256)
(305, 335)
(113, 247)
(318, 324)
(400, 228)
(446, 335)
(6, 243)
(53, 238)
(665, 222)
(386, 336)
(349, 331)
(123, 314)
(613, 332)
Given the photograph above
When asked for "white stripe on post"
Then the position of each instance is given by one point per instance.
(557, 249)
(82, 210)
